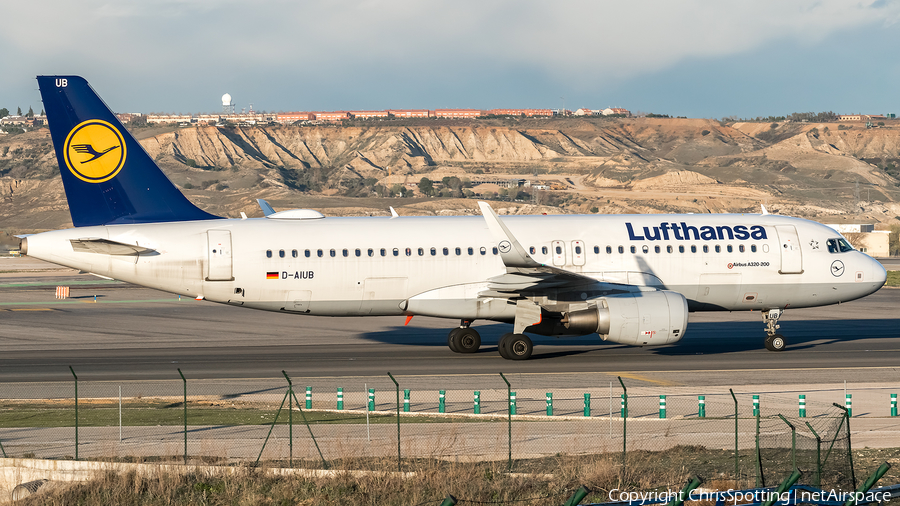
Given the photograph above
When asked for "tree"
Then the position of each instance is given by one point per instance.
(894, 240)
(18, 111)
(30, 112)
(426, 187)
(4, 112)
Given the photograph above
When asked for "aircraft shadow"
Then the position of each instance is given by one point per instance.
(701, 338)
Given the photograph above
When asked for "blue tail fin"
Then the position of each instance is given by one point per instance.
(108, 177)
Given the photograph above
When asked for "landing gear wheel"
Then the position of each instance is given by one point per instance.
(775, 342)
(467, 340)
(519, 347)
(451, 339)
(503, 345)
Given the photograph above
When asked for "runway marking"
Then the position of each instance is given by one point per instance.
(639, 377)
(32, 309)
(84, 302)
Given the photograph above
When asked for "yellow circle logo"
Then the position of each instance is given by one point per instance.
(95, 151)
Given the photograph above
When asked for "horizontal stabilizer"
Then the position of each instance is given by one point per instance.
(107, 247)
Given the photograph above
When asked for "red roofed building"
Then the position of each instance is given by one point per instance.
(368, 114)
(291, 117)
(409, 113)
(332, 116)
(520, 112)
(457, 113)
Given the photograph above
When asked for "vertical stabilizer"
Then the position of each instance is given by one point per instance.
(108, 177)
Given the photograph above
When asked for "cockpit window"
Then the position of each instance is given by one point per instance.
(839, 245)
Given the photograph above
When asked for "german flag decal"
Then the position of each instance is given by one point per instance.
(271, 275)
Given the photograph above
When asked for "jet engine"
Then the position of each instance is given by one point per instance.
(639, 318)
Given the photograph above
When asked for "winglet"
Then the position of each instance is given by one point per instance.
(394, 213)
(511, 252)
(266, 208)
(764, 209)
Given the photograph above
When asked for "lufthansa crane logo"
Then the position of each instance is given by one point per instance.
(837, 268)
(95, 151)
(504, 246)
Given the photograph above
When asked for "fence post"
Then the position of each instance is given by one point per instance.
(701, 406)
(868, 484)
(893, 404)
(793, 441)
(184, 382)
(442, 405)
(305, 422)
(549, 403)
(340, 398)
(624, 427)
(2, 450)
(755, 405)
(737, 473)
(477, 407)
(308, 397)
(290, 394)
(802, 405)
(76, 411)
(848, 402)
(760, 479)
(662, 406)
(509, 413)
(406, 400)
(371, 405)
(818, 482)
(587, 405)
(406, 406)
(849, 438)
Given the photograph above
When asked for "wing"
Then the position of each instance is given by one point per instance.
(108, 247)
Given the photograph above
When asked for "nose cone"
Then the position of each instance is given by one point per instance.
(879, 273)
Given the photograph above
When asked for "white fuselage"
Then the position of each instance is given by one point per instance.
(438, 266)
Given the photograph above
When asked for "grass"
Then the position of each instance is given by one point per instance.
(893, 278)
(152, 412)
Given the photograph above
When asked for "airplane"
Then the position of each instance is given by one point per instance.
(632, 279)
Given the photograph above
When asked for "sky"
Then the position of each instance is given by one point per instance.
(694, 58)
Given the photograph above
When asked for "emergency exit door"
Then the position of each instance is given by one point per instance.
(218, 256)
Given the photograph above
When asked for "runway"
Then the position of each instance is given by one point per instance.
(134, 333)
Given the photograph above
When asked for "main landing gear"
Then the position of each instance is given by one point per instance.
(774, 341)
(515, 347)
(464, 339)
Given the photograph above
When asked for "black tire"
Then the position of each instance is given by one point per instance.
(776, 342)
(467, 340)
(451, 339)
(519, 347)
(503, 345)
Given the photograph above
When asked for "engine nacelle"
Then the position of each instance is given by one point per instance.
(640, 318)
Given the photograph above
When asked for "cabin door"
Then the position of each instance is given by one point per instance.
(218, 256)
(791, 256)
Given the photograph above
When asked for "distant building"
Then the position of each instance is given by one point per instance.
(519, 112)
(368, 114)
(293, 117)
(609, 111)
(410, 113)
(128, 117)
(872, 242)
(860, 117)
(586, 112)
(457, 113)
(168, 119)
(333, 116)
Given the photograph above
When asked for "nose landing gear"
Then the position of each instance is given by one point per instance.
(774, 341)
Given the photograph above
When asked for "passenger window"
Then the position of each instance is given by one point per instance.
(752, 248)
(471, 251)
(544, 250)
(371, 252)
(333, 253)
(458, 251)
(681, 248)
(621, 249)
(656, 249)
(741, 248)
(597, 249)
(609, 250)
(421, 252)
(718, 248)
(281, 253)
(306, 253)
(532, 250)
(396, 252)
(433, 251)
(693, 248)
(358, 252)
(319, 253)
(577, 250)
(634, 250)
(729, 248)
(668, 249)
(494, 250)
(644, 248)
(345, 253)
(268, 253)
(409, 252)
(446, 251)
(705, 248)
(559, 250)
(483, 250)
(383, 252)
(294, 253)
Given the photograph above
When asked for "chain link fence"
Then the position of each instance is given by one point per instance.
(373, 423)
